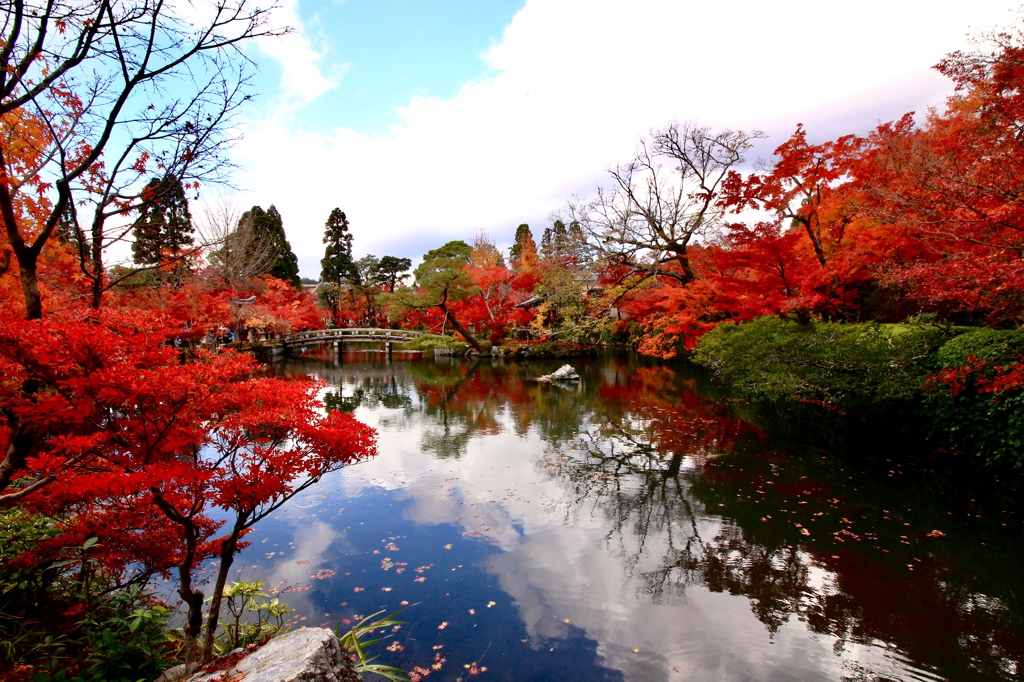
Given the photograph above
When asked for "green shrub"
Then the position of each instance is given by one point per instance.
(547, 349)
(432, 342)
(58, 622)
(967, 410)
(994, 346)
(844, 365)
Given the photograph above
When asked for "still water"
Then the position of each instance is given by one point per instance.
(634, 527)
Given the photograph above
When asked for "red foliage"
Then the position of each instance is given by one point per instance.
(120, 416)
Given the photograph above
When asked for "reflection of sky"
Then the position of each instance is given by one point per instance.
(569, 601)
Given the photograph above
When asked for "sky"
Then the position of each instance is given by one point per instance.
(432, 120)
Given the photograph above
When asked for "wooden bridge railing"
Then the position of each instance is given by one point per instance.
(346, 334)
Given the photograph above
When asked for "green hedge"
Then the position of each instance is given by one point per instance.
(971, 419)
(994, 346)
(843, 365)
(887, 371)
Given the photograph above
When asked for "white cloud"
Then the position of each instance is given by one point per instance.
(300, 59)
(577, 83)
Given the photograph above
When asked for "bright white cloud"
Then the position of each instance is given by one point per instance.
(577, 83)
(301, 57)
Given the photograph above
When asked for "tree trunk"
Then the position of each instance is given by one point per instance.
(462, 330)
(227, 557)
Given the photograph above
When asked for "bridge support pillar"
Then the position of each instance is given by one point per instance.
(337, 353)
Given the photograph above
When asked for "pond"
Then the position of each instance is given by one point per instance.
(635, 527)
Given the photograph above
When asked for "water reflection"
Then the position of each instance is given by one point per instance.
(633, 527)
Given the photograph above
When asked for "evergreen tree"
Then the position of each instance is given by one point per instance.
(523, 253)
(267, 230)
(389, 271)
(163, 230)
(553, 242)
(565, 243)
(337, 265)
(576, 244)
(442, 279)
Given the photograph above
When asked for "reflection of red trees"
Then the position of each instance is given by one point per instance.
(677, 420)
(887, 578)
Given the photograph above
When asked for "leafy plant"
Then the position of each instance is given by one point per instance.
(247, 597)
(355, 643)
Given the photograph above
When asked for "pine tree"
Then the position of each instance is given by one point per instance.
(337, 265)
(554, 241)
(389, 272)
(163, 230)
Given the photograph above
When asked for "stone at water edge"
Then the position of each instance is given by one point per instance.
(564, 373)
(305, 655)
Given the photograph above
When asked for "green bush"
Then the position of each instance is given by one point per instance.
(964, 409)
(432, 342)
(59, 621)
(844, 365)
(994, 346)
(547, 349)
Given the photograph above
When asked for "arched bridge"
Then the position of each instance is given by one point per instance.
(349, 335)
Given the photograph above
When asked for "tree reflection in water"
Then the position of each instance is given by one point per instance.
(908, 559)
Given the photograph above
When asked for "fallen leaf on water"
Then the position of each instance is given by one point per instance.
(491, 603)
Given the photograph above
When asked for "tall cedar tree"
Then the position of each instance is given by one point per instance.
(268, 228)
(337, 264)
(163, 231)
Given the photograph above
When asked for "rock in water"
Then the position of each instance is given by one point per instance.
(564, 373)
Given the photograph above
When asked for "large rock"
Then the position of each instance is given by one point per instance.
(306, 655)
(564, 373)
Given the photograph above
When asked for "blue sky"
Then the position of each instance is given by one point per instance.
(389, 51)
(431, 120)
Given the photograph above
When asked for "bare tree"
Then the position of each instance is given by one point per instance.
(661, 201)
(109, 93)
(234, 249)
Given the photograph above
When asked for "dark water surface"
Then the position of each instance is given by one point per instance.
(632, 528)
